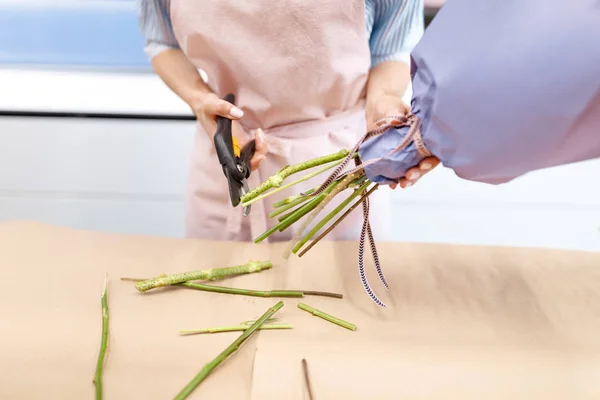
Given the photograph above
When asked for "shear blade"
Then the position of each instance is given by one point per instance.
(244, 191)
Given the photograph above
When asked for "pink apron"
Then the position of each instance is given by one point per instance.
(298, 69)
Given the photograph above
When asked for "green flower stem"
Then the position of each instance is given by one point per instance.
(234, 328)
(208, 274)
(276, 180)
(327, 317)
(103, 340)
(301, 212)
(267, 321)
(343, 184)
(291, 217)
(290, 199)
(297, 201)
(354, 183)
(250, 292)
(329, 217)
(338, 221)
(288, 214)
(303, 179)
(208, 368)
(243, 292)
(283, 225)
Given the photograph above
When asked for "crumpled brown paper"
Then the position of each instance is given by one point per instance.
(462, 322)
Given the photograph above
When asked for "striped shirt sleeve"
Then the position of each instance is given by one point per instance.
(155, 24)
(396, 26)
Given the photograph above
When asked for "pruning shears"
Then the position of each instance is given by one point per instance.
(234, 160)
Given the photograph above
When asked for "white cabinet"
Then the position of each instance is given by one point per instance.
(101, 174)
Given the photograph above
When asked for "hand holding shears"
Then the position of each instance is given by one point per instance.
(234, 160)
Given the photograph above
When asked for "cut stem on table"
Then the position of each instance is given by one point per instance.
(250, 292)
(208, 274)
(307, 379)
(103, 340)
(327, 317)
(234, 328)
(243, 292)
(208, 368)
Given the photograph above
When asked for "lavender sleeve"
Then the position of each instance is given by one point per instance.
(502, 87)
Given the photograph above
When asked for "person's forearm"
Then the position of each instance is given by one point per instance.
(180, 75)
(390, 77)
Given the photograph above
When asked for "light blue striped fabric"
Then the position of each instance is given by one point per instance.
(393, 26)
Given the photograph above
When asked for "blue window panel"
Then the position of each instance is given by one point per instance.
(87, 34)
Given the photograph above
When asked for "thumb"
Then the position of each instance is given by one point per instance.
(261, 142)
(260, 150)
(397, 109)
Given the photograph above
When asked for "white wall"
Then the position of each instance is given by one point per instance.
(129, 175)
(114, 175)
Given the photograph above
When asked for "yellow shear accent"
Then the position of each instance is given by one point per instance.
(236, 146)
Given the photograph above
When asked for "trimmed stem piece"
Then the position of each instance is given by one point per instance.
(243, 292)
(307, 379)
(208, 368)
(103, 340)
(235, 328)
(322, 294)
(276, 180)
(251, 292)
(327, 317)
(208, 274)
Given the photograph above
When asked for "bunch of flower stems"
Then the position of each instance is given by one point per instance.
(305, 207)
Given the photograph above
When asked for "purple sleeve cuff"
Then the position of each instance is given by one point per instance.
(492, 116)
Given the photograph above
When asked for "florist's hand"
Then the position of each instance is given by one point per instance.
(209, 106)
(382, 107)
(388, 105)
(415, 173)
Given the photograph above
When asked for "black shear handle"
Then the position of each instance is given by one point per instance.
(224, 145)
